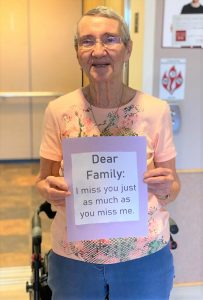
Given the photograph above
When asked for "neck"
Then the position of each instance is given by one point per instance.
(106, 95)
(195, 4)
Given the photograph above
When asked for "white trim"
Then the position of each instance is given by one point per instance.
(29, 94)
(149, 41)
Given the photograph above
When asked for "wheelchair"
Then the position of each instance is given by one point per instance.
(37, 287)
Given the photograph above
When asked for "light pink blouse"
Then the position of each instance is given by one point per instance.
(71, 116)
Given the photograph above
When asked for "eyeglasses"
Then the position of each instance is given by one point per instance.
(108, 41)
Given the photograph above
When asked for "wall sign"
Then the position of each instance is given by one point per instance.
(172, 79)
(181, 30)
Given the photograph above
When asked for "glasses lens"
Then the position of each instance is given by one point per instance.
(111, 41)
(86, 42)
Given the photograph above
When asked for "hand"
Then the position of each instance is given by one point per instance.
(56, 190)
(159, 181)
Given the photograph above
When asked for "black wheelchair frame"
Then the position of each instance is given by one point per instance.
(37, 287)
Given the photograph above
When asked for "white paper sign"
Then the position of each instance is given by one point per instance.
(174, 8)
(108, 196)
(106, 190)
(187, 31)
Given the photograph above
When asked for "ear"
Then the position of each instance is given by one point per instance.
(129, 47)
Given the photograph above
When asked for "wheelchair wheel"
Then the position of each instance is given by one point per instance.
(38, 288)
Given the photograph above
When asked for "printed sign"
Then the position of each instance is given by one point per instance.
(181, 29)
(107, 189)
(187, 31)
(109, 198)
(172, 79)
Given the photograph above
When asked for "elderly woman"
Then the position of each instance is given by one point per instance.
(118, 268)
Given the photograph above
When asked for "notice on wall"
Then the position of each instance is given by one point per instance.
(172, 79)
(187, 31)
(105, 176)
(181, 29)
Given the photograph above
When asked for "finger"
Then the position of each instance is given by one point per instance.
(157, 191)
(57, 183)
(157, 172)
(57, 194)
(57, 202)
(160, 189)
(159, 179)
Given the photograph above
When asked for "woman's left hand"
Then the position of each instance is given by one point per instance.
(159, 181)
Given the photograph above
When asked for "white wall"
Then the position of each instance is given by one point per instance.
(145, 76)
(189, 140)
(149, 40)
(188, 207)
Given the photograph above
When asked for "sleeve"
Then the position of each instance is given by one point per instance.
(184, 10)
(51, 138)
(164, 148)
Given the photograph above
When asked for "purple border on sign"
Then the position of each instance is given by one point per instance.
(106, 144)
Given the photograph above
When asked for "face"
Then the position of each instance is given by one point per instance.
(101, 63)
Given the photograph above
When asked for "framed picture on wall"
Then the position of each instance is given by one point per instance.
(183, 24)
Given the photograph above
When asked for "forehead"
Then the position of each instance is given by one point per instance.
(96, 25)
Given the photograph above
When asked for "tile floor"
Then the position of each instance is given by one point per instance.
(18, 201)
(187, 293)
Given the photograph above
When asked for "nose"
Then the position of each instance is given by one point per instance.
(99, 49)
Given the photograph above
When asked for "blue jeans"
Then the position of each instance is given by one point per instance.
(147, 278)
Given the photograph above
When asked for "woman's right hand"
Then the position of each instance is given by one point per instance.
(56, 190)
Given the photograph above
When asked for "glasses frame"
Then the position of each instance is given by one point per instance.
(103, 41)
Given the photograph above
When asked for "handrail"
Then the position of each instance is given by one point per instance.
(29, 94)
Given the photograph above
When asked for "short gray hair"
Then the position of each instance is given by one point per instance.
(103, 11)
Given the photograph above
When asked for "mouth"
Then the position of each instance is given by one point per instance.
(100, 65)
